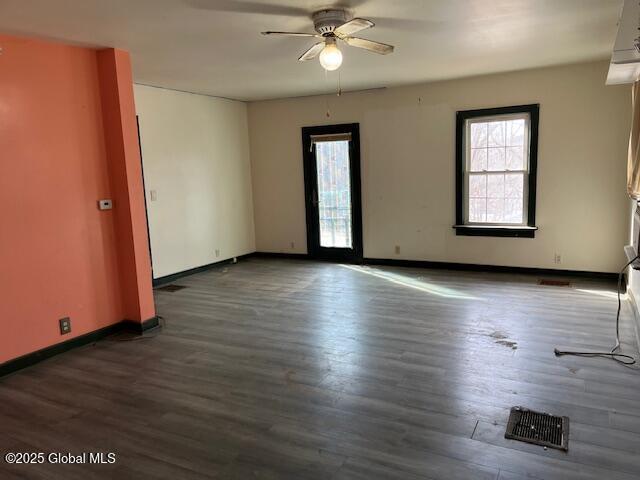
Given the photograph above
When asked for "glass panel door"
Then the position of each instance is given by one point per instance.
(333, 207)
(334, 194)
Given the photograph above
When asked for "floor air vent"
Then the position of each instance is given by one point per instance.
(538, 428)
(171, 288)
(553, 283)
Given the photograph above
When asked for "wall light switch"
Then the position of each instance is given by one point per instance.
(105, 204)
(153, 195)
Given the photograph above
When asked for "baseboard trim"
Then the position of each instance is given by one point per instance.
(156, 282)
(295, 256)
(472, 267)
(469, 267)
(141, 327)
(38, 356)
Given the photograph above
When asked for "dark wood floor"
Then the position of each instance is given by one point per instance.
(280, 369)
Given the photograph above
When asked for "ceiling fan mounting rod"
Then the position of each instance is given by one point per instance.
(326, 21)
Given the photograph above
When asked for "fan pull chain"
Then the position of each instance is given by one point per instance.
(326, 79)
(338, 91)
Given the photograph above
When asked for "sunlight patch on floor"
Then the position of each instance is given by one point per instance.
(409, 282)
(601, 293)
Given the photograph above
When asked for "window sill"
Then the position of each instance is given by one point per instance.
(495, 231)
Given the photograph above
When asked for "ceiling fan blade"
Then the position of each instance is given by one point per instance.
(376, 47)
(353, 26)
(422, 25)
(252, 7)
(292, 34)
(313, 52)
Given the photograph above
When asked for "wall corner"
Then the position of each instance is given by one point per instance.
(125, 171)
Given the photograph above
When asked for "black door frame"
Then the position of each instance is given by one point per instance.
(144, 190)
(310, 182)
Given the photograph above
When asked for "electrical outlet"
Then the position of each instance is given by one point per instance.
(397, 249)
(65, 325)
(557, 258)
(217, 252)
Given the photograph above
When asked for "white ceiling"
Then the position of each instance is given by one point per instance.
(215, 46)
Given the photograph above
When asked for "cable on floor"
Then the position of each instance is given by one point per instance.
(614, 354)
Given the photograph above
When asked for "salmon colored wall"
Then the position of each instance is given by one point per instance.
(125, 165)
(59, 255)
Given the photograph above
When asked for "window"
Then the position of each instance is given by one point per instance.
(496, 156)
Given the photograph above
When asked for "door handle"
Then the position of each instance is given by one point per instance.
(314, 198)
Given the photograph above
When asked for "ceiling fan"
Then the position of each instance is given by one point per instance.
(331, 25)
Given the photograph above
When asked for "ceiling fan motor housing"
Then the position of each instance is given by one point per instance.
(326, 21)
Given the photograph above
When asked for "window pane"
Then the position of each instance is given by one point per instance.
(496, 159)
(334, 194)
(498, 149)
(515, 132)
(496, 198)
(477, 185)
(513, 210)
(514, 185)
(515, 158)
(495, 186)
(495, 209)
(478, 159)
(478, 135)
(496, 134)
(477, 210)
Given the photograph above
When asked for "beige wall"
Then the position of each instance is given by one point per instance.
(196, 158)
(408, 143)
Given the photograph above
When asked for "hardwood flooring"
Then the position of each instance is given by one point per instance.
(286, 369)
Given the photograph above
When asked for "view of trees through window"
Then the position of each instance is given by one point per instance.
(334, 193)
(497, 166)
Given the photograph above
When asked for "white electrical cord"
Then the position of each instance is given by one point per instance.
(614, 353)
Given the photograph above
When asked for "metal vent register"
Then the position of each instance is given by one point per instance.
(538, 428)
(171, 288)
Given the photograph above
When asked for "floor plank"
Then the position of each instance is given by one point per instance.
(278, 369)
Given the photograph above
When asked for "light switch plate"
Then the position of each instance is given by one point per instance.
(105, 204)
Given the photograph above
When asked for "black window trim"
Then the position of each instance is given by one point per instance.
(526, 231)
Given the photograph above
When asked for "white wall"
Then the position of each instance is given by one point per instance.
(196, 158)
(408, 166)
(633, 276)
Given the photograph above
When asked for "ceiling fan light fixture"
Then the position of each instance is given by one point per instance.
(331, 25)
(331, 56)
